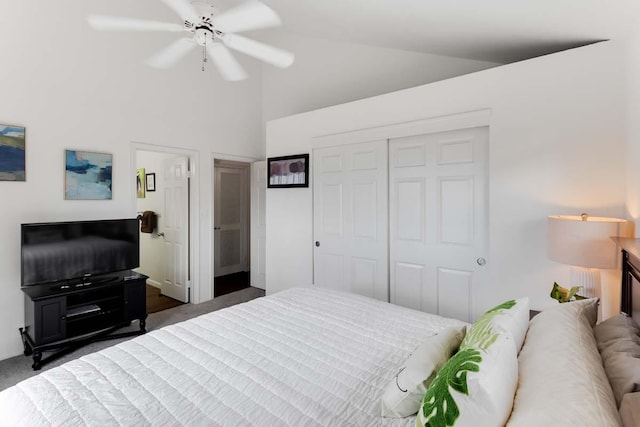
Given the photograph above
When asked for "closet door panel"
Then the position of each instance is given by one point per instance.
(409, 155)
(456, 151)
(363, 276)
(352, 222)
(409, 208)
(440, 223)
(454, 290)
(330, 162)
(365, 206)
(365, 159)
(456, 214)
(331, 215)
(410, 293)
(330, 270)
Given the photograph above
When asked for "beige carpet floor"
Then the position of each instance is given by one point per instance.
(16, 369)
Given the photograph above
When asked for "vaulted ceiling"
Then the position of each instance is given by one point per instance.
(492, 30)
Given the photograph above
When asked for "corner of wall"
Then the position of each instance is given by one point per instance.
(633, 129)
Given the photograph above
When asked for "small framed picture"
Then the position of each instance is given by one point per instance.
(288, 171)
(151, 181)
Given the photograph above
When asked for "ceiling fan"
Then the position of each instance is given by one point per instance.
(211, 31)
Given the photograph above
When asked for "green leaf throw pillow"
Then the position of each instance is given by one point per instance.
(477, 385)
(510, 317)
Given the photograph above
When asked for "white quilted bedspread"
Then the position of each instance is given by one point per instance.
(303, 357)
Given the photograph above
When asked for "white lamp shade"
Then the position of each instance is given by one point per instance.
(574, 241)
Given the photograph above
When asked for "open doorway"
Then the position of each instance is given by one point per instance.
(231, 231)
(163, 207)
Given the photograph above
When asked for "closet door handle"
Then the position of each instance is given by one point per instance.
(481, 261)
(317, 244)
(216, 228)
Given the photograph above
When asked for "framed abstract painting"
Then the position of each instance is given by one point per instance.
(12, 153)
(88, 175)
(288, 171)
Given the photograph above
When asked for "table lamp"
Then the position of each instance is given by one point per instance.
(584, 243)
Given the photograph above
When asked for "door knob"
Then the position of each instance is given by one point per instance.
(317, 244)
(216, 228)
(481, 261)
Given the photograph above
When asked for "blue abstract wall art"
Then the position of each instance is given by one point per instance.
(87, 175)
(12, 149)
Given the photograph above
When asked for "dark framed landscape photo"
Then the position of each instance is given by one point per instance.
(288, 171)
(150, 179)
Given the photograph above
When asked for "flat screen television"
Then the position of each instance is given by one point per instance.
(70, 251)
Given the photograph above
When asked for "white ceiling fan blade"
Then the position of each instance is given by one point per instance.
(264, 52)
(228, 67)
(183, 8)
(116, 23)
(170, 55)
(248, 16)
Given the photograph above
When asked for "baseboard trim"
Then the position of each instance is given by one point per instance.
(154, 283)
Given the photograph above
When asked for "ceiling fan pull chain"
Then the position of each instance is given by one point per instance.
(204, 54)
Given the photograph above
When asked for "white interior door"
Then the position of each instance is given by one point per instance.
(230, 220)
(175, 283)
(438, 221)
(258, 223)
(350, 218)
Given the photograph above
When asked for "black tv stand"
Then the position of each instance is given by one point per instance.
(61, 317)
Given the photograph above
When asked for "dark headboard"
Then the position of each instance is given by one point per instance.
(630, 301)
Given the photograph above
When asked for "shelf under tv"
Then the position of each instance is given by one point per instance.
(60, 319)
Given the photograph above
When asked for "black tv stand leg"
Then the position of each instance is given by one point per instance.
(25, 345)
(143, 324)
(37, 357)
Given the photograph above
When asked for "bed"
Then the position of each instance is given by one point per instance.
(301, 357)
(315, 357)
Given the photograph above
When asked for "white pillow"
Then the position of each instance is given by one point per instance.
(404, 393)
(476, 386)
(561, 379)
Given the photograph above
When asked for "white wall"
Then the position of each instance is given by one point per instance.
(75, 88)
(557, 147)
(327, 73)
(633, 126)
(152, 257)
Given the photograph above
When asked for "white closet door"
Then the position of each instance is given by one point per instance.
(350, 195)
(438, 221)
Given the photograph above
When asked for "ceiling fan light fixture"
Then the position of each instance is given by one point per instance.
(203, 36)
(212, 31)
